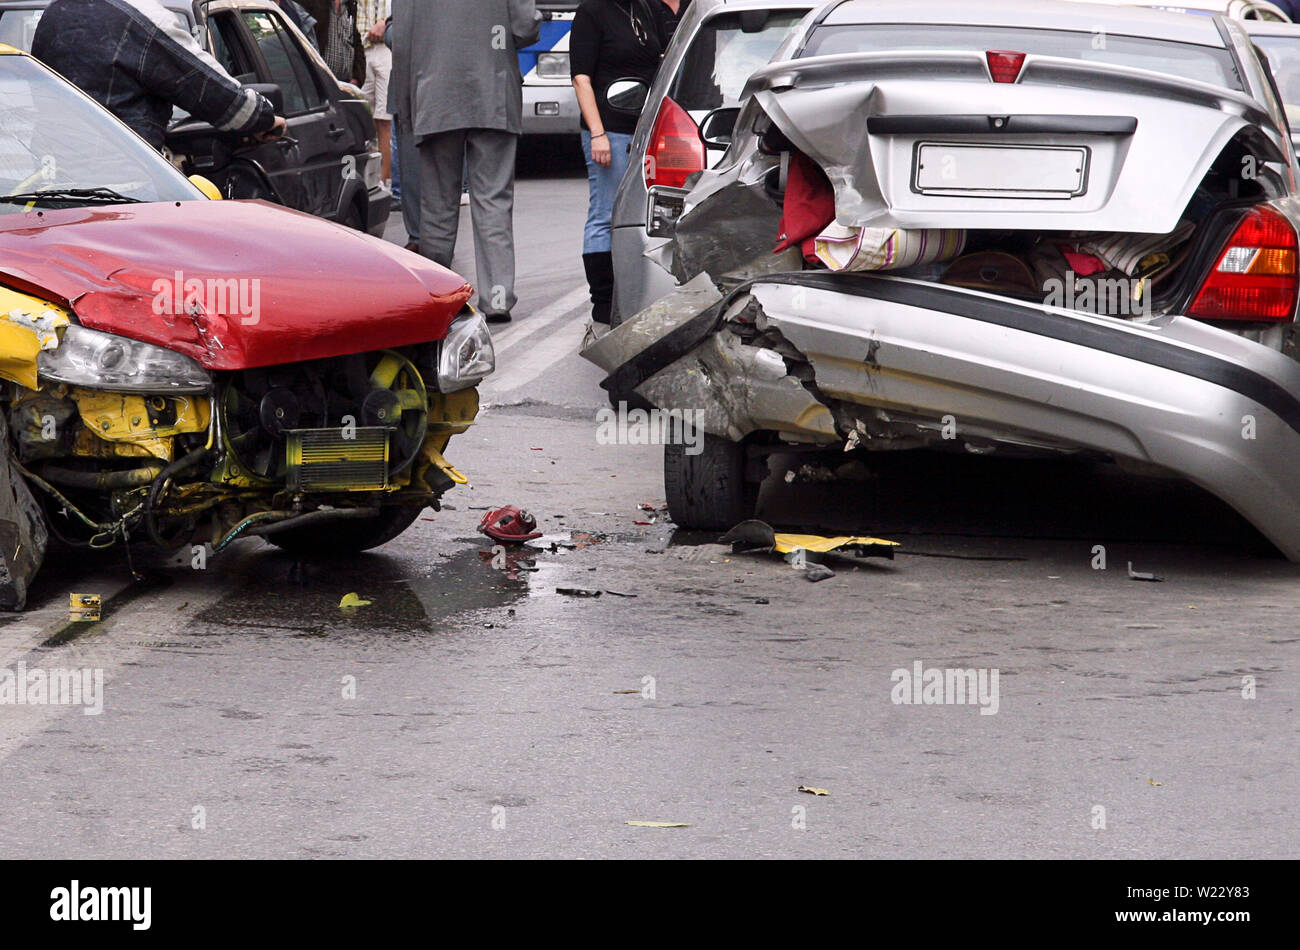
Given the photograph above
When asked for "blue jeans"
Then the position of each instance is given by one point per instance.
(602, 184)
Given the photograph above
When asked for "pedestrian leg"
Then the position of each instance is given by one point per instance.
(441, 157)
(491, 156)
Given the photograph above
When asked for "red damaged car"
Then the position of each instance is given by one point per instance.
(191, 371)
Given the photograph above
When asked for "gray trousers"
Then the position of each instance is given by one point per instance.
(408, 162)
(490, 156)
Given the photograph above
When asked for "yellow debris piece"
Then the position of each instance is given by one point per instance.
(785, 543)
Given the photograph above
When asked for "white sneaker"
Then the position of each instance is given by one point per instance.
(464, 199)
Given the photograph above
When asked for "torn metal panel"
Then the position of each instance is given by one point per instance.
(678, 354)
(725, 230)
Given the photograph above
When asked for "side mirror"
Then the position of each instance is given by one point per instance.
(272, 92)
(207, 187)
(627, 95)
(212, 192)
(718, 127)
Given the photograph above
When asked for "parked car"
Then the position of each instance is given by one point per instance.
(178, 370)
(550, 105)
(995, 168)
(328, 163)
(716, 47)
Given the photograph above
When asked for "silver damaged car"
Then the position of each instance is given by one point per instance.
(1007, 227)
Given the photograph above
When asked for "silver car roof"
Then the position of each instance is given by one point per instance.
(1032, 14)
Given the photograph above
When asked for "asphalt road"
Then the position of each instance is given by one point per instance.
(469, 711)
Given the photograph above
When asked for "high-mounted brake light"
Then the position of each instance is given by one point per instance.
(1255, 278)
(675, 150)
(1005, 65)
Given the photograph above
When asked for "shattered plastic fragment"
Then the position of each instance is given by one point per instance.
(813, 790)
(818, 572)
(577, 592)
(509, 525)
(83, 608)
(758, 535)
(352, 601)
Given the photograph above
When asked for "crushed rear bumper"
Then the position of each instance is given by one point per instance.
(886, 363)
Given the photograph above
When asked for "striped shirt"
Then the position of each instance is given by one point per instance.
(369, 13)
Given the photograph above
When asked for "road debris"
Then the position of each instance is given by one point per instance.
(817, 572)
(509, 525)
(813, 790)
(757, 535)
(83, 608)
(658, 824)
(1141, 576)
(577, 592)
(352, 601)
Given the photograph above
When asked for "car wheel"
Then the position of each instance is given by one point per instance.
(709, 490)
(346, 537)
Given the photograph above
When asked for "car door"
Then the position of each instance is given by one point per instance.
(240, 166)
(321, 137)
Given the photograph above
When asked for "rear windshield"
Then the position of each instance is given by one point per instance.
(723, 54)
(1186, 60)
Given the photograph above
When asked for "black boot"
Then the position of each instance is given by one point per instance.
(600, 278)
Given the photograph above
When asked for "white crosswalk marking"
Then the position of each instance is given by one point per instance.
(511, 333)
(536, 344)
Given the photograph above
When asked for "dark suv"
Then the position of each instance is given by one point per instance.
(328, 163)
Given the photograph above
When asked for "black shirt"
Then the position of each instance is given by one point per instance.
(668, 21)
(615, 39)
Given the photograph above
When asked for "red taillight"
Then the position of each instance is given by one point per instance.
(1004, 65)
(675, 148)
(1255, 277)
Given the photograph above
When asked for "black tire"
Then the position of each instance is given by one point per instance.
(709, 491)
(346, 537)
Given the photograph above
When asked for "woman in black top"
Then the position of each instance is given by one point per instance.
(610, 40)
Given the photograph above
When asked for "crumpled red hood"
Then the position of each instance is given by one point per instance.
(320, 289)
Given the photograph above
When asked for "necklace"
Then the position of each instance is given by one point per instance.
(637, 29)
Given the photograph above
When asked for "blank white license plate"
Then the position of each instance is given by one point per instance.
(1024, 171)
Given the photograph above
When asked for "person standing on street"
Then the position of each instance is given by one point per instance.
(337, 38)
(372, 17)
(610, 40)
(460, 92)
(136, 59)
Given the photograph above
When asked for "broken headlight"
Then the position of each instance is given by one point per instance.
(115, 363)
(466, 357)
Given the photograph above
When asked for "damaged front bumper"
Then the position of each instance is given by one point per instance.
(886, 363)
